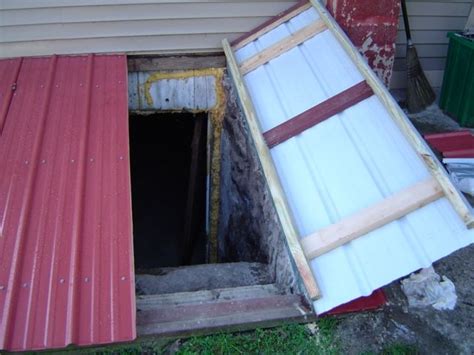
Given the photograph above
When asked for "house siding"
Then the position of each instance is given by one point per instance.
(429, 23)
(161, 26)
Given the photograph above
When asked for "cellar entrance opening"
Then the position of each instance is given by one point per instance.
(168, 169)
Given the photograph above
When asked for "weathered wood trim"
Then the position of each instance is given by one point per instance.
(192, 62)
(371, 218)
(282, 46)
(276, 190)
(269, 25)
(399, 117)
(233, 315)
(317, 114)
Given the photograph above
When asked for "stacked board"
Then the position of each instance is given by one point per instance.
(361, 198)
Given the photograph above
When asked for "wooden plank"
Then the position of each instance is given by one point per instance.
(201, 311)
(414, 138)
(371, 218)
(149, 302)
(269, 25)
(278, 196)
(192, 209)
(282, 46)
(317, 114)
(190, 62)
(236, 315)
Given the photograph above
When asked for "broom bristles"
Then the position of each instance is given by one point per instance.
(419, 91)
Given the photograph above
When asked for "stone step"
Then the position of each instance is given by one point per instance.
(202, 277)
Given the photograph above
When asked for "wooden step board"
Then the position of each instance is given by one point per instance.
(201, 312)
(257, 52)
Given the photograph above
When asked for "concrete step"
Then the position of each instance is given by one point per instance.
(202, 277)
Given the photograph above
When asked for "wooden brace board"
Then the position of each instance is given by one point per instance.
(279, 199)
(371, 218)
(282, 46)
(317, 114)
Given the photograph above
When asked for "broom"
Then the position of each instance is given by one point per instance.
(419, 91)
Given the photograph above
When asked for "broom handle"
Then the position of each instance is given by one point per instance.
(405, 21)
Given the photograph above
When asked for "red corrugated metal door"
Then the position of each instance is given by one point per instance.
(66, 262)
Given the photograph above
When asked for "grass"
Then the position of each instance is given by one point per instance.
(401, 349)
(396, 349)
(312, 338)
(315, 338)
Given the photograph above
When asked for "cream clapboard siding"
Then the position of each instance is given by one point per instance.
(429, 22)
(39, 27)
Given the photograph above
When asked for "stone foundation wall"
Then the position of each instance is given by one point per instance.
(249, 229)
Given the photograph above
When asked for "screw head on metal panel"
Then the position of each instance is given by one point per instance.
(61, 281)
(25, 285)
(91, 160)
(123, 278)
(2, 287)
(86, 279)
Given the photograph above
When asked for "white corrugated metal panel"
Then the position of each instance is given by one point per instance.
(74, 26)
(344, 164)
(429, 23)
(189, 94)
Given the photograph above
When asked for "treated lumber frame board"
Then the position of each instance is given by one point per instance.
(317, 114)
(398, 116)
(366, 220)
(282, 46)
(273, 182)
(269, 25)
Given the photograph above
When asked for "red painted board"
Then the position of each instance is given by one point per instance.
(317, 114)
(375, 301)
(66, 252)
(453, 144)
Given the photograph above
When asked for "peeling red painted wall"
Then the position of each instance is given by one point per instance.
(372, 27)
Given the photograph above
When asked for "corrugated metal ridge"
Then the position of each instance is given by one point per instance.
(346, 163)
(66, 274)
